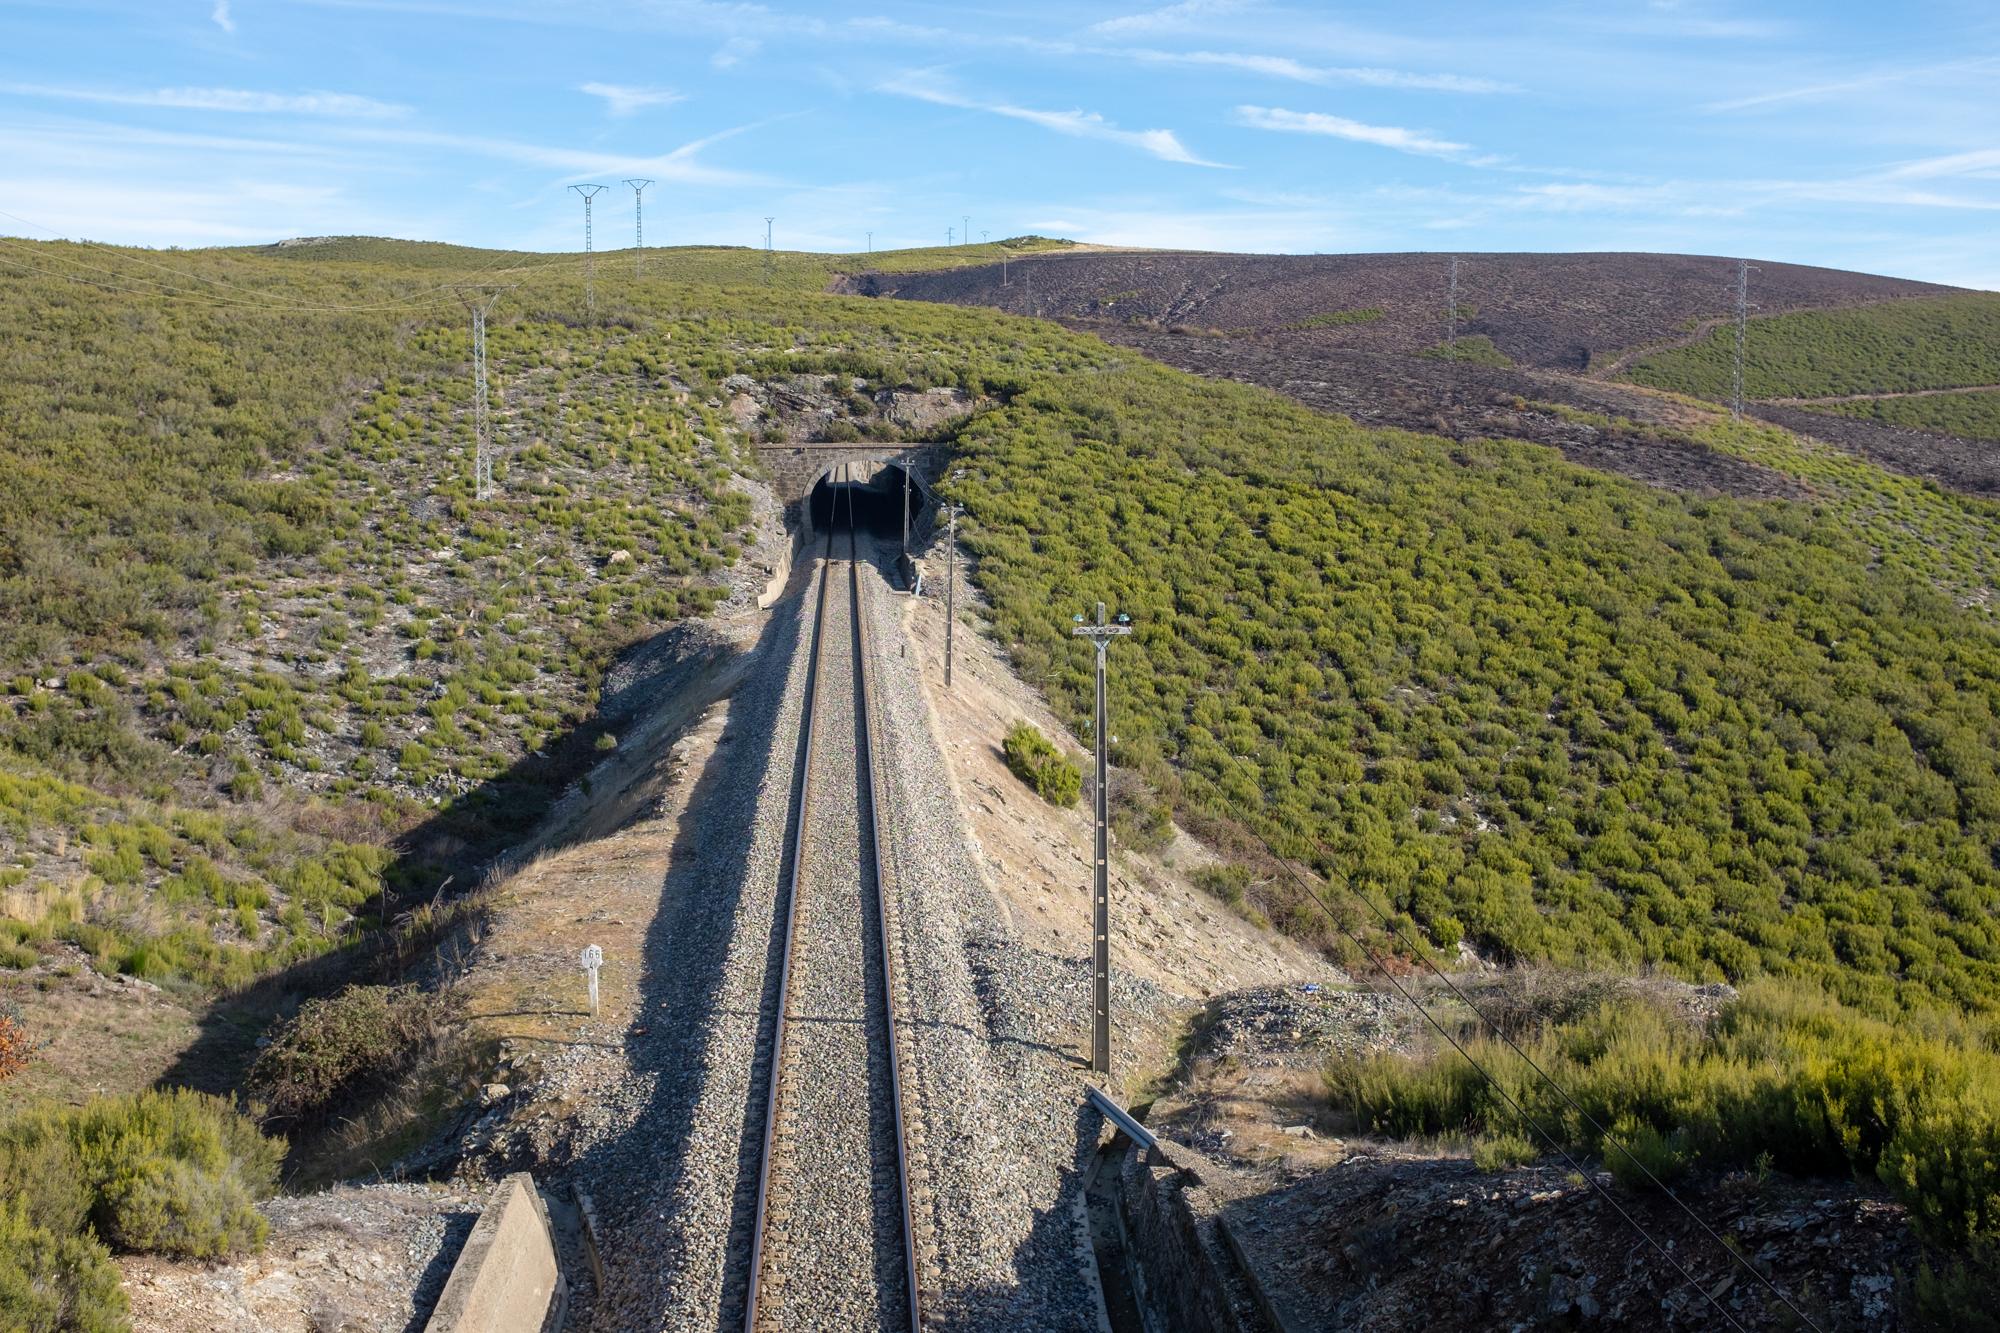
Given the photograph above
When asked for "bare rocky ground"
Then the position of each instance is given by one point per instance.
(1952, 461)
(1569, 323)
(1644, 438)
(1555, 311)
(1395, 1239)
(349, 1260)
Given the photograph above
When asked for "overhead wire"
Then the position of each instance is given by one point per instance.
(1520, 1111)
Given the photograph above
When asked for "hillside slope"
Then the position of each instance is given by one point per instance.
(1548, 715)
(1548, 311)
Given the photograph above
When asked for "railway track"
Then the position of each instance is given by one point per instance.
(833, 1244)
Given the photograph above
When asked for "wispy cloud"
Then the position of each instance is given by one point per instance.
(624, 100)
(1170, 18)
(1080, 124)
(1421, 142)
(735, 51)
(679, 166)
(221, 16)
(1819, 92)
(339, 105)
(1983, 162)
(1693, 20)
(1284, 67)
(1249, 62)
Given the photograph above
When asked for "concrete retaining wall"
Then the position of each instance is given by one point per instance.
(506, 1279)
(1191, 1276)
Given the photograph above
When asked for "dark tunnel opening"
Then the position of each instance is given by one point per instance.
(876, 503)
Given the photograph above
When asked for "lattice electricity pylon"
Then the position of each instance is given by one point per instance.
(1743, 307)
(638, 226)
(479, 302)
(769, 261)
(1451, 335)
(589, 192)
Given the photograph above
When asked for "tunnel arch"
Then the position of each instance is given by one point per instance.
(875, 488)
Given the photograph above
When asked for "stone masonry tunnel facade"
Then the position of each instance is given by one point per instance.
(796, 468)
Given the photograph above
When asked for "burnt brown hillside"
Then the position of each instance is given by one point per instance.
(1572, 312)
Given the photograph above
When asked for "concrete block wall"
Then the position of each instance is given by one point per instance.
(506, 1279)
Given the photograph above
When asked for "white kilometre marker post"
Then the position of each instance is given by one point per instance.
(592, 959)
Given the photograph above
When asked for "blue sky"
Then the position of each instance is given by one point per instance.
(1859, 135)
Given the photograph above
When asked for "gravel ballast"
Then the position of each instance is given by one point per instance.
(662, 1120)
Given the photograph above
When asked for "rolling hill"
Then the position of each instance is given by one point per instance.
(280, 683)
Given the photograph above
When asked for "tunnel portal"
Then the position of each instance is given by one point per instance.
(872, 492)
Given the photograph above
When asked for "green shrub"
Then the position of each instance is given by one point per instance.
(1039, 764)
(168, 1205)
(1959, 1295)
(1784, 1077)
(55, 1281)
(346, 1044)
(1335, 318)
(1497, 1152)
(1474, 349)
(175, 1173)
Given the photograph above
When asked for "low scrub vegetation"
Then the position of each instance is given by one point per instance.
(1944, 342)
(1334, 319)
(1474, 348)
(172, 1173)
(1036, 761)
(1782, 1079)
(341, 1048)
(1974, 414)
(1558, 715)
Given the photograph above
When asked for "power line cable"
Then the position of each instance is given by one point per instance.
(1519, 1111)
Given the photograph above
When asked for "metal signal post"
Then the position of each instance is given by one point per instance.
(1100, 636)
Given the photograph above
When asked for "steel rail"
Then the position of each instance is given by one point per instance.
(791, 939)
(867, 732)
(864, 733)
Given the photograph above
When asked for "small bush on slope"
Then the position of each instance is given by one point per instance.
(53, 1282)
(1039, 764)
(1943, 342)
(362, 1037)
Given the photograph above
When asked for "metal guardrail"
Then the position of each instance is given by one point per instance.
(1122, 1118)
